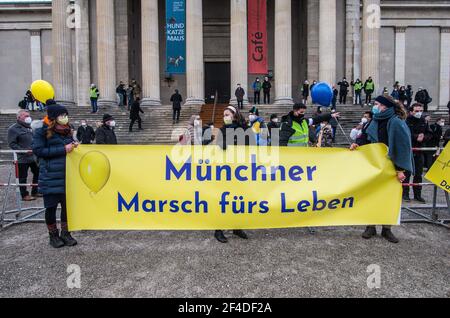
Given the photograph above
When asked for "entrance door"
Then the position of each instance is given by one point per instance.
(218, 77)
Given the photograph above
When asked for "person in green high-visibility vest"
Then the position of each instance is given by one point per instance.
(294, 131)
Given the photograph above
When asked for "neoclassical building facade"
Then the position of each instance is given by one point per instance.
(75, 43)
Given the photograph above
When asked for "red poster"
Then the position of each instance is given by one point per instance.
(257, 37)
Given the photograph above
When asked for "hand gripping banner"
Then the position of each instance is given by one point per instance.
(206, 188)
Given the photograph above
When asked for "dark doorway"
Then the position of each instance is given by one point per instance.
(217, 77)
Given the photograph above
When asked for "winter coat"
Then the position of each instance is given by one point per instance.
(257, 86)
(86, 135)
(240, 93)
(343, 86)
(135, 110)
(417, 127)
(52, 155)
(176, 101)
(105, 135)
(267, 86)
(20, 137)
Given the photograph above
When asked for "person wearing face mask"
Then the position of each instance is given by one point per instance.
(258, 127)
(208, 134)
(85, 133)
(362, 139)
(273, 125)
(294, 131)
(389, 127)
(356, 132)
(437, 135)
(325, 136)
(240, 94)
(51, 144)
(194, 132)
(257, 86)
(267, 86)
(230, 135)
(305, 92)
(418, 127)
(20, 137)
(105, 134)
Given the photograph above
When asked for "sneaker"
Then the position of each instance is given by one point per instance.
(370, 232)
(67, 239)
(388, 235)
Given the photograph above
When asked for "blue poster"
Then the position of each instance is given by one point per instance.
(176, 36)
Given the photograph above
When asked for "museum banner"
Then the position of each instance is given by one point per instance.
(257, 37)
(206, 188)
(175, 36)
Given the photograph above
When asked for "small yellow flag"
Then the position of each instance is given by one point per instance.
(439, 173)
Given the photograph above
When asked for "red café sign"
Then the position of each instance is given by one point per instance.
(257, 37)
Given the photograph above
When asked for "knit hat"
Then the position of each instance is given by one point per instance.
(385, 101)
(255, 111)
(107, 117)
(55, 110)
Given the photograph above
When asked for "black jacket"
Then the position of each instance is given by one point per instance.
(176, 100)
(343, 86)
(231, 137)
(85, 135)
(423, 97)
(105, 135)
(287, 131)
(436, 132)
(266, 86)
(417, 127)
(20, 137)
(135, 110)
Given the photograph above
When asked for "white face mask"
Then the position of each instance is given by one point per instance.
(28, 120)
(418, 115)
(442, 124)
(196, 122)
(364, 120)
(112, 123)
(276, 120)
(252, 118)
(83, 124)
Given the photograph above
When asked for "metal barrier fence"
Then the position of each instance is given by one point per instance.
(35, 211)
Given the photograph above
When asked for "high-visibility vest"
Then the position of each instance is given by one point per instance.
(358, 86)
(301, 136)
(370, 86)
(94, 93)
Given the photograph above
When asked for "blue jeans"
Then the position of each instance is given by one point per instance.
(94, 105)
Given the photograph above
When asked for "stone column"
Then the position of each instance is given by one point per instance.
(36, 56)
(444, 80)
(371, 42)
(62, 53)
(313, 40)
(83, 62)
(106, 53)
(239, 49)
(150, 53)
(122, 61)
(195, 77)
(327, 41)
(400, 55)
(283, 52)
(353, 40)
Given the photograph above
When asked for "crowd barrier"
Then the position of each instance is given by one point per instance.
(33, 213)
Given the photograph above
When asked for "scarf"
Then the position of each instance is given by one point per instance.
(399, 134)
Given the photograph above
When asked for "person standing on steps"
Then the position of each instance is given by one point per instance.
(94, 94)
(240, 93)
(176, 101)
(343, 91)
(85, 133)
(267, 86)
(135, 112)
(257, 86)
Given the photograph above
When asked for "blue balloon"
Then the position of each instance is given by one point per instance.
(322, 94)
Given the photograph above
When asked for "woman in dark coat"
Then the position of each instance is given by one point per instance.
(135, 112)
(389, 127)
(233, 121)
(51, 143)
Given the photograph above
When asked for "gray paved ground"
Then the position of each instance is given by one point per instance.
(273, 263)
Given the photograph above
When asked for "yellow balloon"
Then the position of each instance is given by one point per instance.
(42, 91)
(95, 170)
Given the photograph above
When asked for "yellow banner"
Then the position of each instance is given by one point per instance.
(439, 173)
(205, 188)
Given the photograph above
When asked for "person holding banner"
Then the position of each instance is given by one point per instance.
(51, 144)
(232, 134)
(389, 127)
